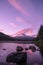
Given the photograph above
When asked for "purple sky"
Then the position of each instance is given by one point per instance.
(16, 15)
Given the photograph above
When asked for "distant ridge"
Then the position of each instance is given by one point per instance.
(4, 37)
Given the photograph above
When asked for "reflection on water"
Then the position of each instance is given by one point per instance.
(6, 48)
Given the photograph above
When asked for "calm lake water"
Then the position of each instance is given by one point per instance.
(32, 57)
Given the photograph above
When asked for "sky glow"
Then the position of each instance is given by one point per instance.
(17, 15)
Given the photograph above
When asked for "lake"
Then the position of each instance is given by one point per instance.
(32, 57)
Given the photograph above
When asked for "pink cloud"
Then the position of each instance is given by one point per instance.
(16, 5)
(13, 24)
(28, 31)
(19, 19)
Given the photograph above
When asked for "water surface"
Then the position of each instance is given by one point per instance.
(6, 48)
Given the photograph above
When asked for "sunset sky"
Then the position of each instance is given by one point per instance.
(21, 15)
